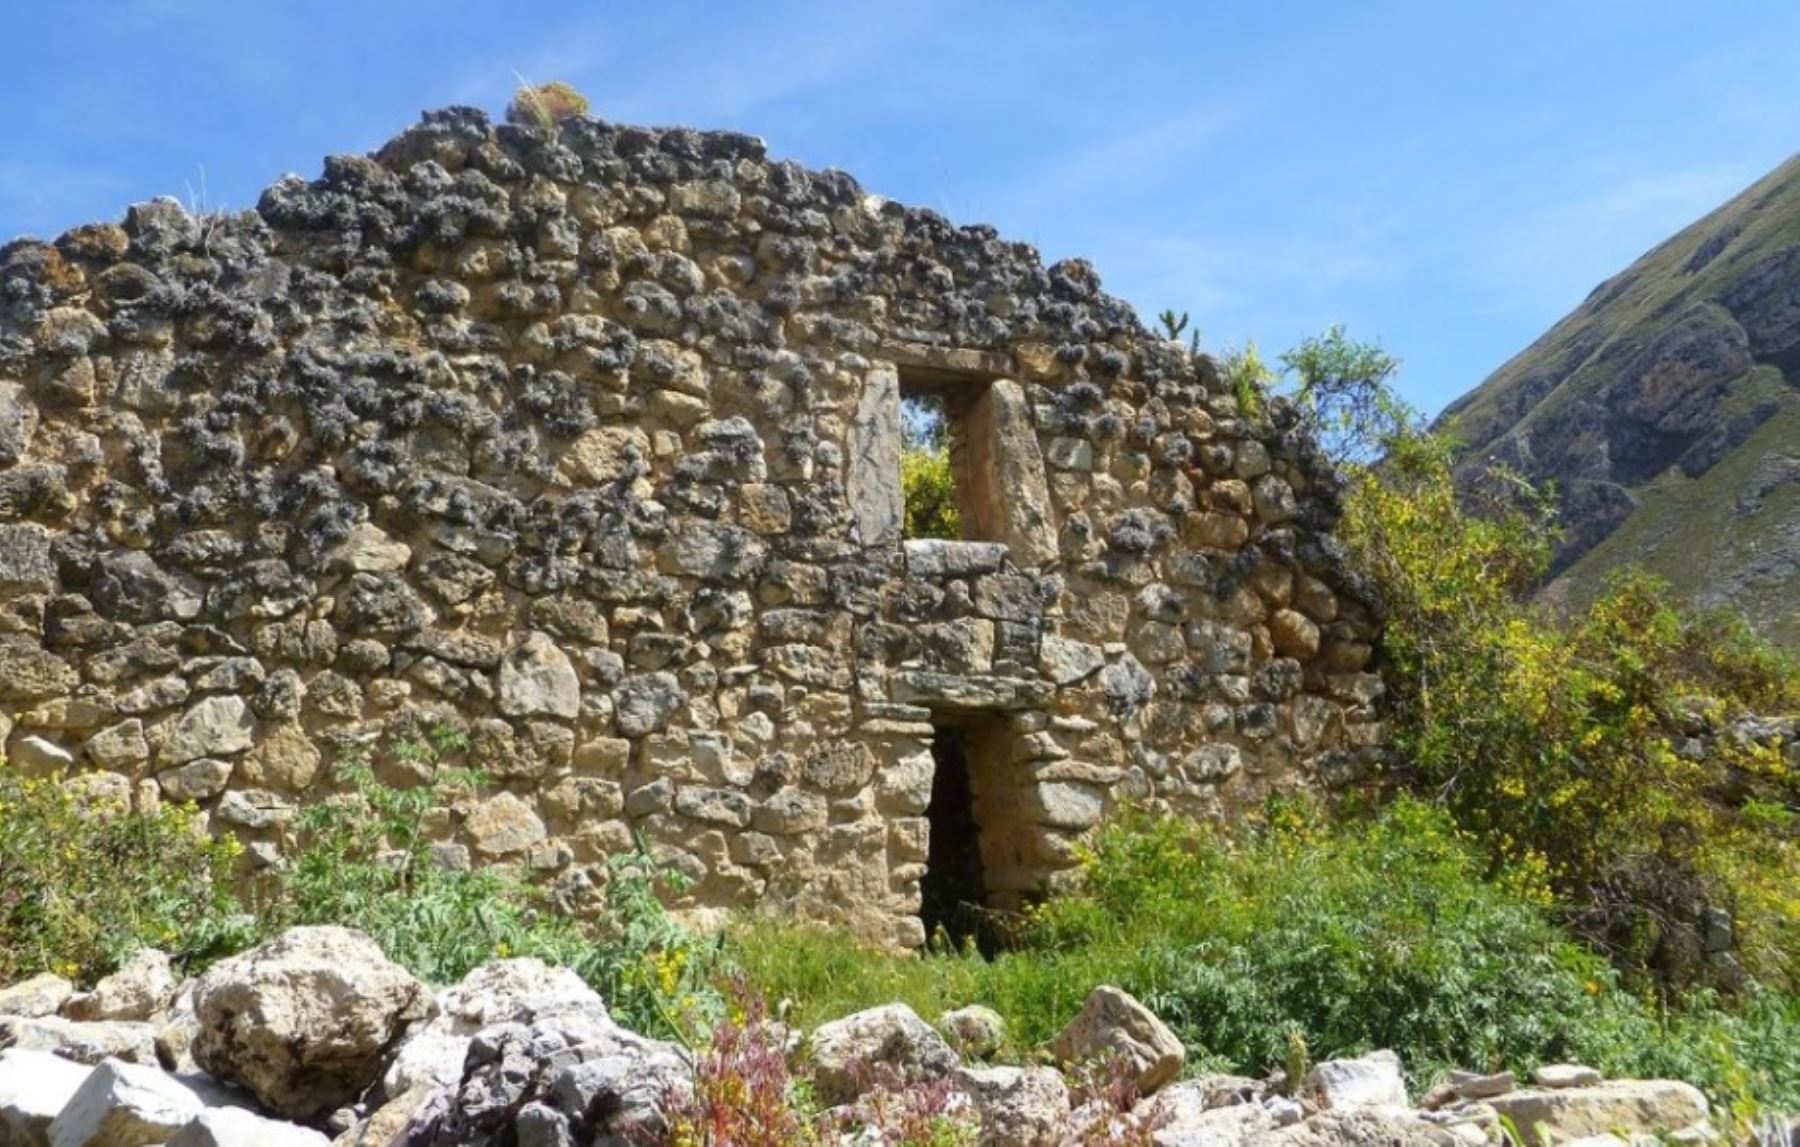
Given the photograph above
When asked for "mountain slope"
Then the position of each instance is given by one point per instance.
(1666, 408)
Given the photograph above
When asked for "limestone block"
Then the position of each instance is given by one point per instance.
(235, 1127)
(212, 727)
(306, 1021)
(1111, 1022)
(40, 756)
(1018, 1106)
(503, 825)
(25, 562)
(122, 1105)
(1066, 661)
(872, 475)
(81, 1042)
(34, 1088)
(1650, 1106)
(1373, 1080)
(42, 995)
(843, 1051)
(142, 989)
(537, 678)
(196, 780)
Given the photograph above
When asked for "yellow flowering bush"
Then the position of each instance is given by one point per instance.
(1592, 754)
(85, 881)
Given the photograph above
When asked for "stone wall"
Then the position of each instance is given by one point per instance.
(589, 446)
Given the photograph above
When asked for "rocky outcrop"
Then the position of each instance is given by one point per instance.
(586, 443)
(1664, 408)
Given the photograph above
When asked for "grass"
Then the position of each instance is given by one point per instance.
(1378, 931)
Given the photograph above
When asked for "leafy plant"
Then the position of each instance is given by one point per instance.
(927, 483)
(1340, 386)
(545, 105)
(85, 881)
(1249, 378)
(367, 862)
(1565, 743)
(1174, 325)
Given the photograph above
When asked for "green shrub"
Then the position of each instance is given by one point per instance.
(85, 881)
(1564, 742)
(927, 483)
(367, 862)
(1377, 933)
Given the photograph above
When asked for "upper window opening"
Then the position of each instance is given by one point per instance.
(926, 478)
(946, 466)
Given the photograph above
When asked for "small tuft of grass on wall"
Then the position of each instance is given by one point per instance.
(545, 105)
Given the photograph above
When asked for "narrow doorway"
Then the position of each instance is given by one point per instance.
(954, 891)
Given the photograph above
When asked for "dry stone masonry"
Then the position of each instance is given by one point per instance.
(588, 444)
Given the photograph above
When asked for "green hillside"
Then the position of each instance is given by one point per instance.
(1666, 408)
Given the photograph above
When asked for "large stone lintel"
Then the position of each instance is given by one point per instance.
(954, 691)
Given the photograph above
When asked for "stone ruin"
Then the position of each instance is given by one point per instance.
(588, 443)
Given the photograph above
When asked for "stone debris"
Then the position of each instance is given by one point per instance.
(82, 1042)
(1554, 1075)
(124, 1105)
(42, 995)
(316, 1026)
(141, 990)
(234, 1127)
(306, 1021)
(1018, 1106)
(843, 1052)
(1627, 1105)
(974, 1032)
(34, 1088)
(1113, 1024)
(1373, 1080)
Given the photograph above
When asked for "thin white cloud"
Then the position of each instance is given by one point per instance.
(1555, 254)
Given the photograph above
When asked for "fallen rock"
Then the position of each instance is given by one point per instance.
(82, 1043)
(142, 989)
(1188, 1126)
(974, 1031)
(1112, 1023)
(1363, 1127)
(1191, 1097)
(1373, 1080)
(306, 1021)
(1652, 1106)
(42, 995)
(1472, 1085)
(175, 1035)
(233, 1127)
(1566, 1075)
(34, 1088)
(123, 1105)
(892, 1036)
(1018, 1106)
(506, 991)
(381, 1125)
(586, 1079)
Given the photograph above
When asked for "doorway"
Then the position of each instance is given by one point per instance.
(954, 901)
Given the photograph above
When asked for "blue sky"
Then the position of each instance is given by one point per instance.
(1449, 177)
